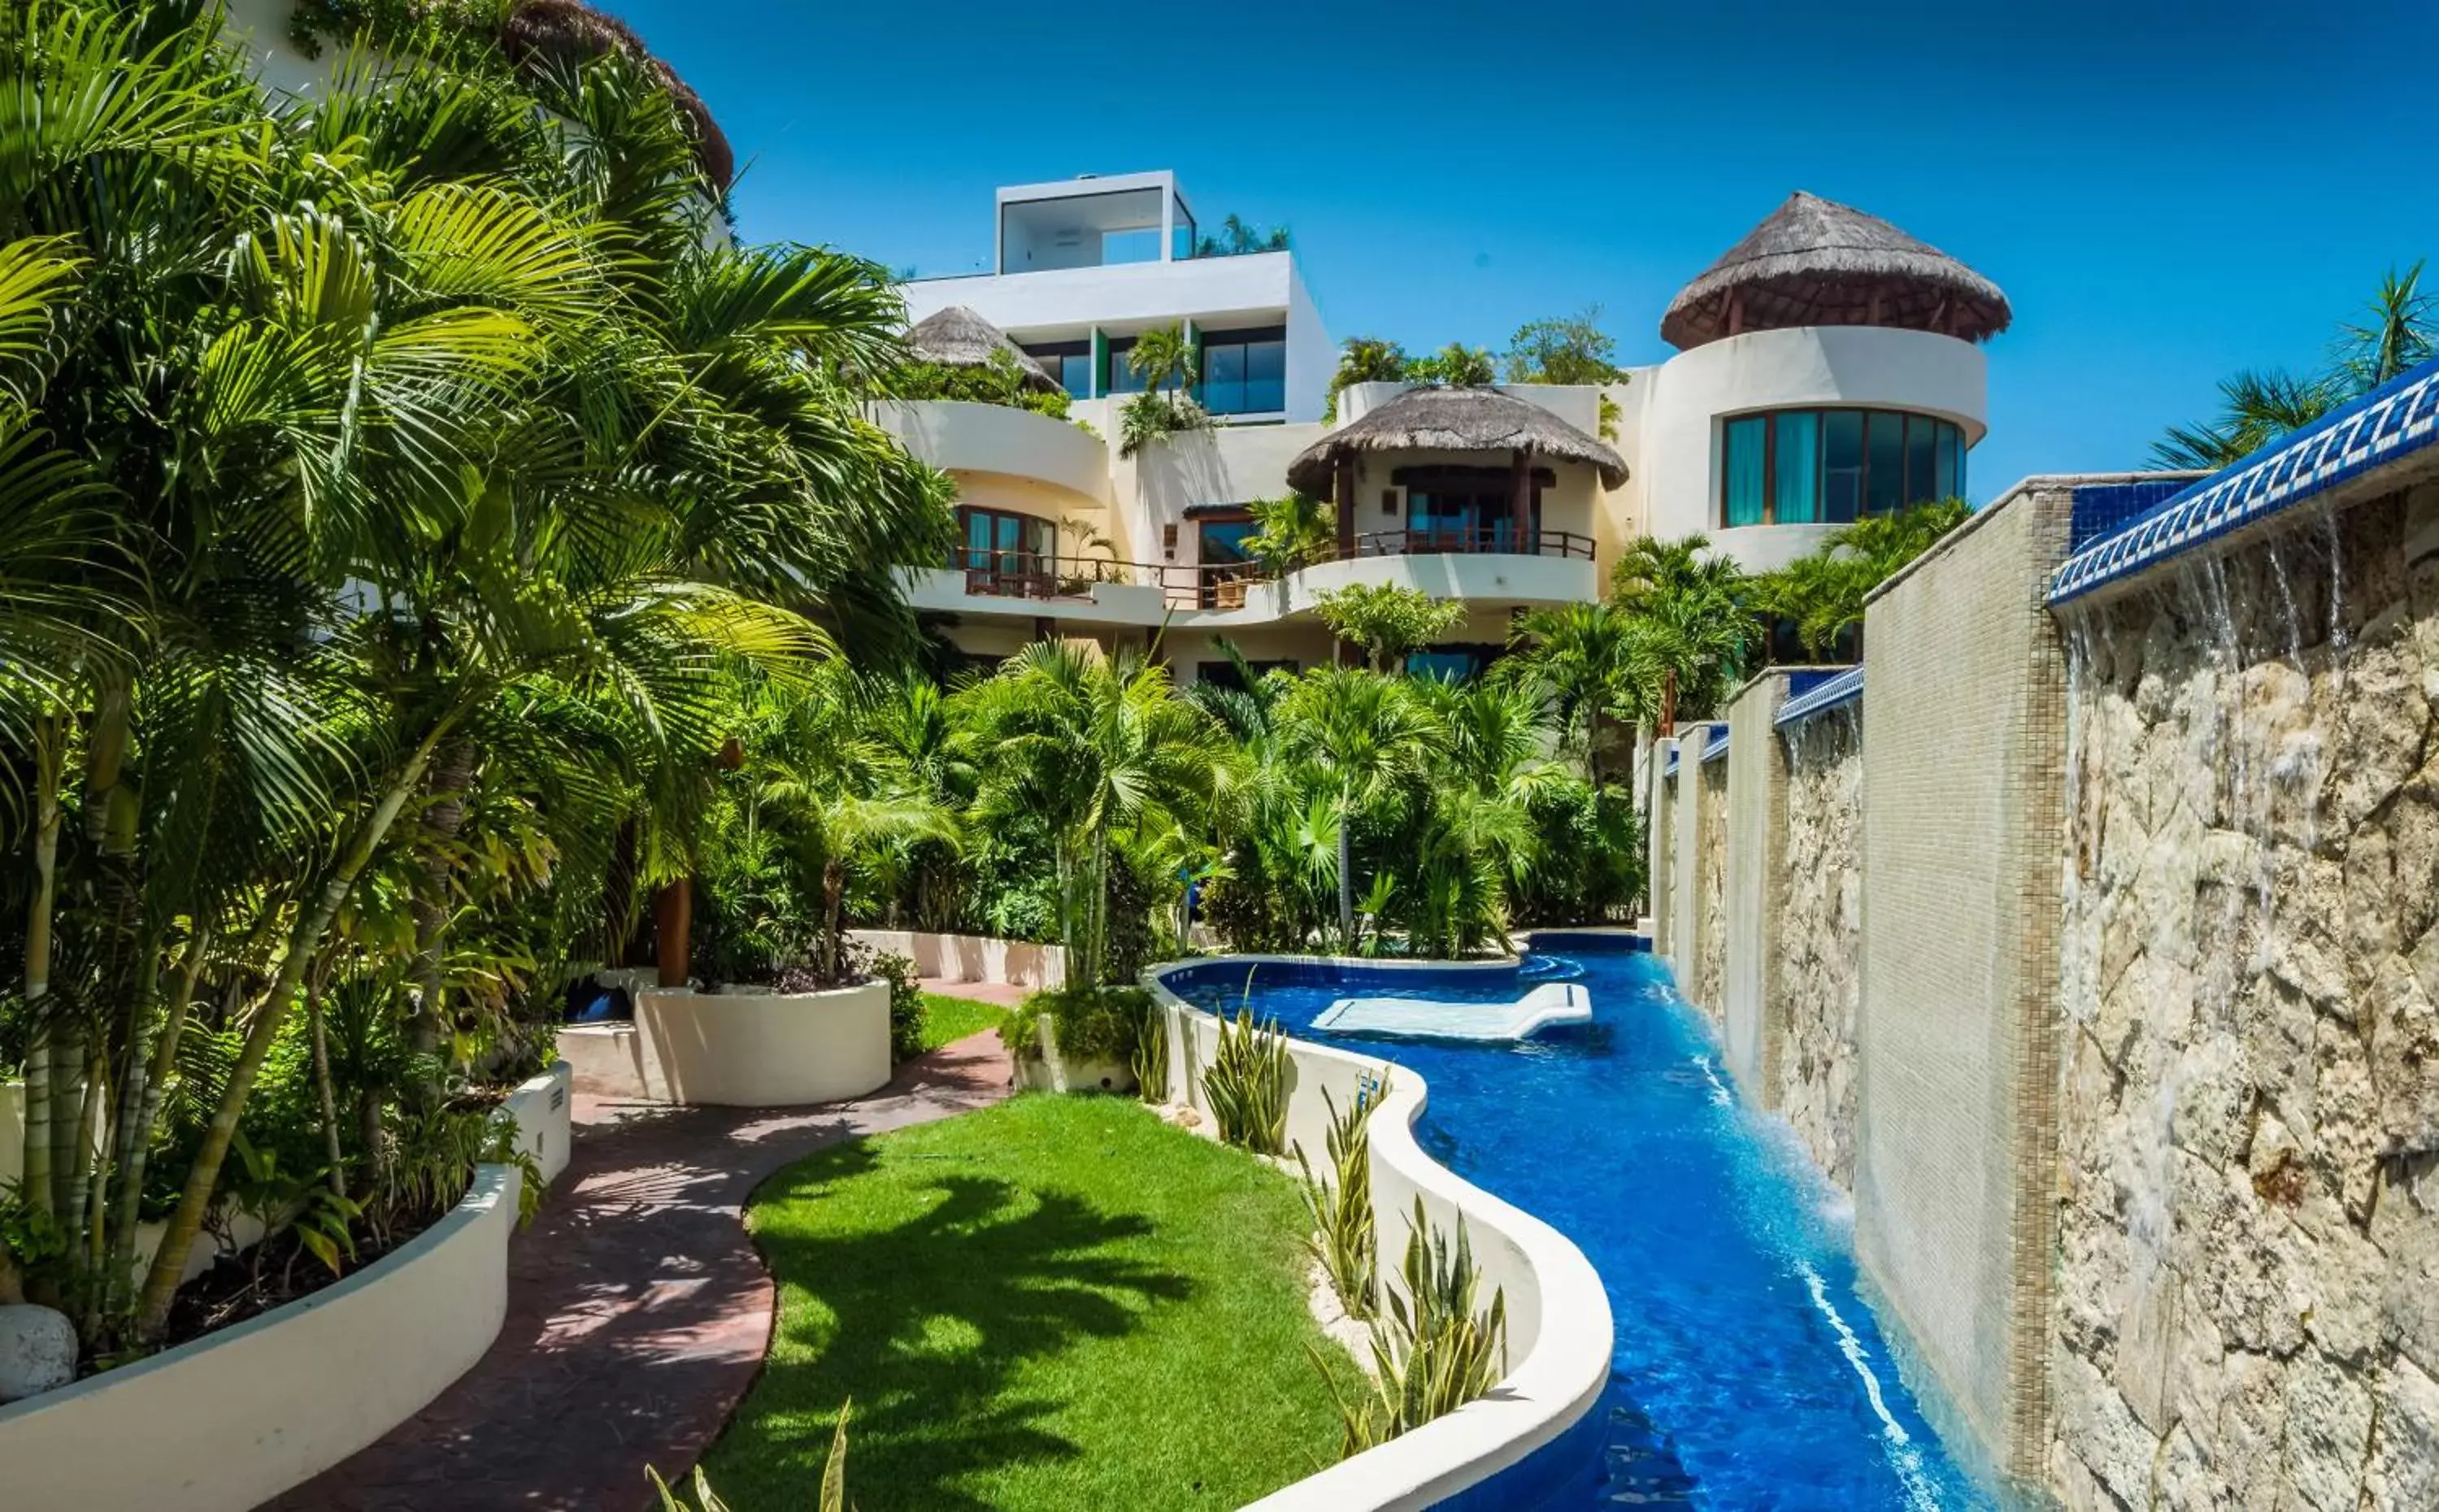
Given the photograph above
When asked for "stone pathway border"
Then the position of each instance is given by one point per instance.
(638, 1311)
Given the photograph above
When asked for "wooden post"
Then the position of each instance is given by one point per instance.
(672, 931)
(1520, 498)
(1346, 507)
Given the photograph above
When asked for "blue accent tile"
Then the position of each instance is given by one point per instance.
(2392, 421)
(1829, 693)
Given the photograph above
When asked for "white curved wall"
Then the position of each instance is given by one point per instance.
(237, 1418)
(1674, 452)
(958, 436)
(738, 1049)
(1560, 1330)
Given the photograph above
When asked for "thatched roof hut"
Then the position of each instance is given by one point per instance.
(560, 33)
(957, 337)
(1453, 420)
(1816, 263)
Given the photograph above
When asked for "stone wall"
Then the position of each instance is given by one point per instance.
(2248, 1256)
(1711, 892)
(1819, 924)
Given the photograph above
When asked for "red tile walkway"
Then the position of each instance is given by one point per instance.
(638, 1311)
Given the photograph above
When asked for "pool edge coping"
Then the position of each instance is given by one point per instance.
(1561, 1377)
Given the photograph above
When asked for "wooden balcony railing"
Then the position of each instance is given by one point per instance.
(1502, 540)
(1225, 585)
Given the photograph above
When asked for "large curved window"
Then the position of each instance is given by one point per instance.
(1828, 467)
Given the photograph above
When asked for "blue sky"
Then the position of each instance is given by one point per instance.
(2165, 192)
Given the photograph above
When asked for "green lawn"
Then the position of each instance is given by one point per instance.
(947, 1019)
(1057, 1303)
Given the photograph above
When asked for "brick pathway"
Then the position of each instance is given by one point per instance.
(638, 1311)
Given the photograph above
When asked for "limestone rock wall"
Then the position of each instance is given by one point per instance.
(1819, 925)
(1711, 884)
(2246, 1292)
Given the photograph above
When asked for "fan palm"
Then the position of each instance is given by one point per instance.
(2255, 408)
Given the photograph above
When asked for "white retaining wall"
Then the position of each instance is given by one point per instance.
(236, 1417)
(738, 1049)
(973, 957)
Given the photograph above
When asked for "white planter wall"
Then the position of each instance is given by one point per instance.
(972, 957)
(738, 1049)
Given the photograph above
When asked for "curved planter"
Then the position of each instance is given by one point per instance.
(235, 1418)
(739, 1049)
(1559, 1334)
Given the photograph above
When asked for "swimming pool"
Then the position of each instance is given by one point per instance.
(1748, 1370)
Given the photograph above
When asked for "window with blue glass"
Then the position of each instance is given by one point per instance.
(1454, 663)
(1834, 466)
(1245, 372)
(1119, 378)
(1070, 361)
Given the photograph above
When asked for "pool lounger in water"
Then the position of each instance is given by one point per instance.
(1422, 1019)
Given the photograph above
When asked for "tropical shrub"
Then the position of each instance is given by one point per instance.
(398, 482)
(1434, 1352)
(1454, 365)
(1000, 381)
(1100, 1023)
(907, 1009)
(1293, 531)
(1563, 350)
(1821, 595)
(1151, 1062)
(1364, 360)
(1390, 622)
(1247, 1083)
(1342, 1238)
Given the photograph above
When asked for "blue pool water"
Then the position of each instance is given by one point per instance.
(1749, 1372)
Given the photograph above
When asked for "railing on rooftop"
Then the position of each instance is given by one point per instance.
(1016, 574)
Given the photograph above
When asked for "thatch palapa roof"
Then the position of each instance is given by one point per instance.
(957, 337)
(560, 33)
(1816, 263)
(1453, 420)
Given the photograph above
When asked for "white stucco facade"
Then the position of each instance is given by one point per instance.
(1166, 511)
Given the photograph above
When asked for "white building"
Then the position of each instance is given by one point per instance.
(1829, 366)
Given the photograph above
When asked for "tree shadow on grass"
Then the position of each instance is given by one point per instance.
(928, 1322)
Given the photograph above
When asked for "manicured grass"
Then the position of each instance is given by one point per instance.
(1054, 1305)
(947, 1019)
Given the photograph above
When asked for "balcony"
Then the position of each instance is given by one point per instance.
(1480, 566)
(956, 435)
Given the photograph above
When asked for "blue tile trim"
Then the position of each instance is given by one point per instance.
(1670, 770)
(1718, 746)
(2394, 421)
(2105, 508)
(1829, 693)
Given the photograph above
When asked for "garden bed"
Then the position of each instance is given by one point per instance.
(1053, 1304)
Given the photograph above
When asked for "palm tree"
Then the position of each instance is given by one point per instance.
(1092, 744)
(1585, 653)
(1362, 734)
(441, 458)
(1691, 630)
(2399, 330)
(2255, 408)
(1165, 359)
(817, 761)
